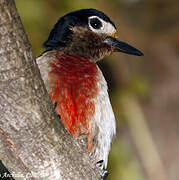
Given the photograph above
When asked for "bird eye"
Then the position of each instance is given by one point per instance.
(95, 23)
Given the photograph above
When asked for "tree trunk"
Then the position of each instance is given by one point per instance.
(33, 142)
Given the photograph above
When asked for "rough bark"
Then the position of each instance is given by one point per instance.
(33, 142)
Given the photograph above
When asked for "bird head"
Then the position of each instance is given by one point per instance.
(87, 32)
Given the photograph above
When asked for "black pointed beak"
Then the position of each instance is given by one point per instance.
(120, 46)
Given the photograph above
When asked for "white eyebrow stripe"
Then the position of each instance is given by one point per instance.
(107, 27)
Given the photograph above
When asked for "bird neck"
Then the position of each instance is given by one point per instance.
(74, 87)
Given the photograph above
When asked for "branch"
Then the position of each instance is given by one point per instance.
(33, 142)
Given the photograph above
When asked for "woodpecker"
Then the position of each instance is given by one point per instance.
(75, 83)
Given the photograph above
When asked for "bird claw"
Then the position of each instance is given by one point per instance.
(100, 164)
(104, 174)
(55, 105)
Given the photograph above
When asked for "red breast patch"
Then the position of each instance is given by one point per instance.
(74, 87)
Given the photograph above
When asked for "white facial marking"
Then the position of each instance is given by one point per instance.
(106, 28)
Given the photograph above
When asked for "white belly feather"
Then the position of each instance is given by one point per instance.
(104, 119)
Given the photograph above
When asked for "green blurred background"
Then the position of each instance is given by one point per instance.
(144, 90)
